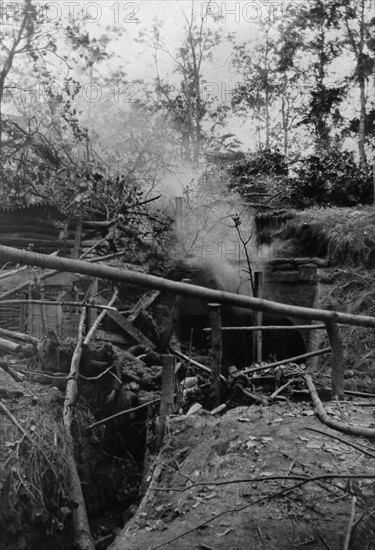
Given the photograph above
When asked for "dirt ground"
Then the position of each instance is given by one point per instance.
(190, 503)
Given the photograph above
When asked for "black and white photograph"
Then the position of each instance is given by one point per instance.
(187, 274)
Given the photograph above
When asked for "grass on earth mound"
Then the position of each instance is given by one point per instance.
(342, 235)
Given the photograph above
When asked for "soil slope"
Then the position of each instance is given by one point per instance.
(190, 503)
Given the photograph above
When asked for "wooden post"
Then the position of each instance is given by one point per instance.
(216, 352)
(258, 335)
(179, 214)
(91, 312)
(167, 396)
(337, 387)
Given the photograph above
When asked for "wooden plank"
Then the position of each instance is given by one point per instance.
(113, 337)
(143, 303)
(127, 327)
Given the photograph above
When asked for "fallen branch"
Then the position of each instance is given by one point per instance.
(282, 388)
(193, 362)
(286, 361)
(358, 447)
(14, 272)
(122, 413)
(82, 534)
(321, 413)
(254, 397)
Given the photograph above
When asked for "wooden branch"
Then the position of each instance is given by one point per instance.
(282, 388)
(122, 413)
(294, 359)
(358, 447)
(321, 413)
(14, 272)
(100, 319)
(254, 397)
(194, 362)
(158, 283)
(82, 534)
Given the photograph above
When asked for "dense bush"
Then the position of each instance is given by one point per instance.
(330, 178)
(264, 170)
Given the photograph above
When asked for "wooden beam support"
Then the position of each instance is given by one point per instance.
(129, 329)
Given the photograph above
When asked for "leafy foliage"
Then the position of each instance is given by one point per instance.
(264, 171)
(330, 178)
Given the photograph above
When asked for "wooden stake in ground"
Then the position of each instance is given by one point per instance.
(215, 352)
(167, 396)
(258, 335)
(337, 383)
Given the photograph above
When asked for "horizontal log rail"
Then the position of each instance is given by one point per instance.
(185, 289)
(52, 303)
(272, 327)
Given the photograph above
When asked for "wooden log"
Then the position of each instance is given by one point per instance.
(337, 381)
(215, 352)
(158, 283)
(167, 397)
(9, 346)
(19, 336)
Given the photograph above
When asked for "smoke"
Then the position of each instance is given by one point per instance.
(207, 233)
